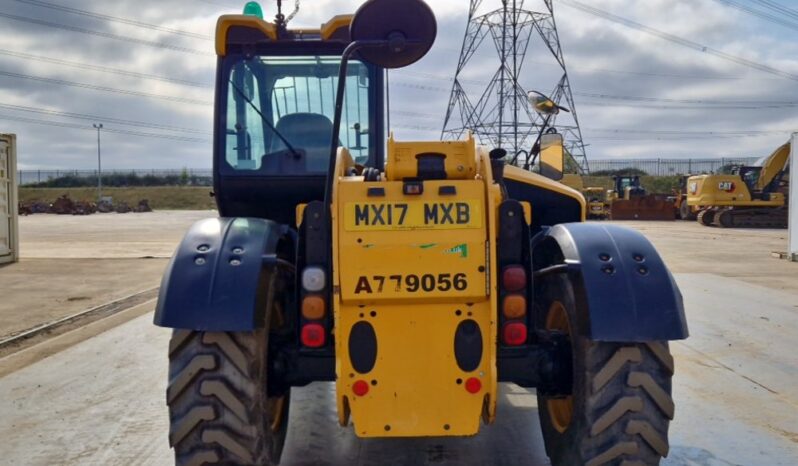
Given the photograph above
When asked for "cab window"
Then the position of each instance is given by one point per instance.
(279, 116)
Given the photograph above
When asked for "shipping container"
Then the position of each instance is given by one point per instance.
(9, 227)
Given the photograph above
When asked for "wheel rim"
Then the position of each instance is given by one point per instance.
(276, 406)
(561, 410)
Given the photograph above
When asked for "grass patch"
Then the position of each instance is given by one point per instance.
(160, 198)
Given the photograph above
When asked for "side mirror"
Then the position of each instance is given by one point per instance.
(394, 33)
(552, 156)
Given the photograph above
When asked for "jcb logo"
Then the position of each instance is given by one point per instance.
(727, 186)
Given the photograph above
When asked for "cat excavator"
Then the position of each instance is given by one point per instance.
(750, 197)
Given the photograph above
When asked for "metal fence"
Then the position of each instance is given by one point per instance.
(667, 167)
(204, 176)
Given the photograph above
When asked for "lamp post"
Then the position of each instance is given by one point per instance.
(98, 127)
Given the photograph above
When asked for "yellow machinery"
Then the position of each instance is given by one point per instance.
(597, 208)
(595, 197)
(751, 197)
(573, 181)
(414, 276)
(630, 201)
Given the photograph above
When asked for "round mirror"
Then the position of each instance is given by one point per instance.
(408, 27)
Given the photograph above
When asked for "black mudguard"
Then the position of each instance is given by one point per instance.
(624, 291)
(216, 280)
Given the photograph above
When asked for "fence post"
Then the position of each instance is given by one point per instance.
(39, 176)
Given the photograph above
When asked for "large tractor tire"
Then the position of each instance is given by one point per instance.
(620, 403)
(219, 408)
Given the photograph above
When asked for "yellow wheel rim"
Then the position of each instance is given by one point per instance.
(276, 407)
(561, 410)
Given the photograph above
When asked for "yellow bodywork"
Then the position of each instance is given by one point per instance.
(573, 181)
(725, 190)
(416, 386)
(326, 31)
(533, 179)
(596, 204)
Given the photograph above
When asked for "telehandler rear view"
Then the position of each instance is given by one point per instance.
(416, 276)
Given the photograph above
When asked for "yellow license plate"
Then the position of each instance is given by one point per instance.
(413, 215)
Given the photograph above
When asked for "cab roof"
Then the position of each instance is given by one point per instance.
(246, 29)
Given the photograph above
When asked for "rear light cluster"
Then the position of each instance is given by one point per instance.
(514, 305)
(314, 307)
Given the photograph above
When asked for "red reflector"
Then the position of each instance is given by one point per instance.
(313, 335)
(514, 278)
(360, 388)
(473, 385)
(514, 334)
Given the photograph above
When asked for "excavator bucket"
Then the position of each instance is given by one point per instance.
(648, 207)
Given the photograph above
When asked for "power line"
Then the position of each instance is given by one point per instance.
(760, 14)
(678, 40)
(104, 69)
(762, 104)
(697, 104)
(107, 35)
(110, 130)
(773, 6)
(115, 19)
(88, 117)
(62, 82)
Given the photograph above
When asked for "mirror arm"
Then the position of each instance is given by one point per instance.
(339, 105)
(339, 101)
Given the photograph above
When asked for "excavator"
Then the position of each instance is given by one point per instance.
(750, 197)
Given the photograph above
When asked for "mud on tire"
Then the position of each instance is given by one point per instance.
(218, 406)
(621, 400)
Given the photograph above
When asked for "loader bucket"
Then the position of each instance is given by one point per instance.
(649, 207)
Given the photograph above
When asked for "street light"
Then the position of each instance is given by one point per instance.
(98, 127)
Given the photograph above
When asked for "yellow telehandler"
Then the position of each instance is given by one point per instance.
(415, 276)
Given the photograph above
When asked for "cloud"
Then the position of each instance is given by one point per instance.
(603, 58)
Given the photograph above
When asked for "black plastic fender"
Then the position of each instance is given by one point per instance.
(624, 291)
(216, 278)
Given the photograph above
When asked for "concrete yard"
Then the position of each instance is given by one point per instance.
(99, 399)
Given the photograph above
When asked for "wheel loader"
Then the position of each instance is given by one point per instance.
(750, 197)
(415, 276)
(596, 203)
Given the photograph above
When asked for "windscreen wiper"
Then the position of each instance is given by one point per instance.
(291, 148)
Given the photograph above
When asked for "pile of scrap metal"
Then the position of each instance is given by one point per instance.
(64, 205)
(630, 201)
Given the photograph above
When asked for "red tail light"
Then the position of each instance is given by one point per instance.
(514, 278)
(514, 333)
(473, 385)
(313, 335)
(360, 388)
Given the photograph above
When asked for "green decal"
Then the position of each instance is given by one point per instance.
(461, 249)
(428, 246)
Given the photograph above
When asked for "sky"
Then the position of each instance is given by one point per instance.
(636, 94)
